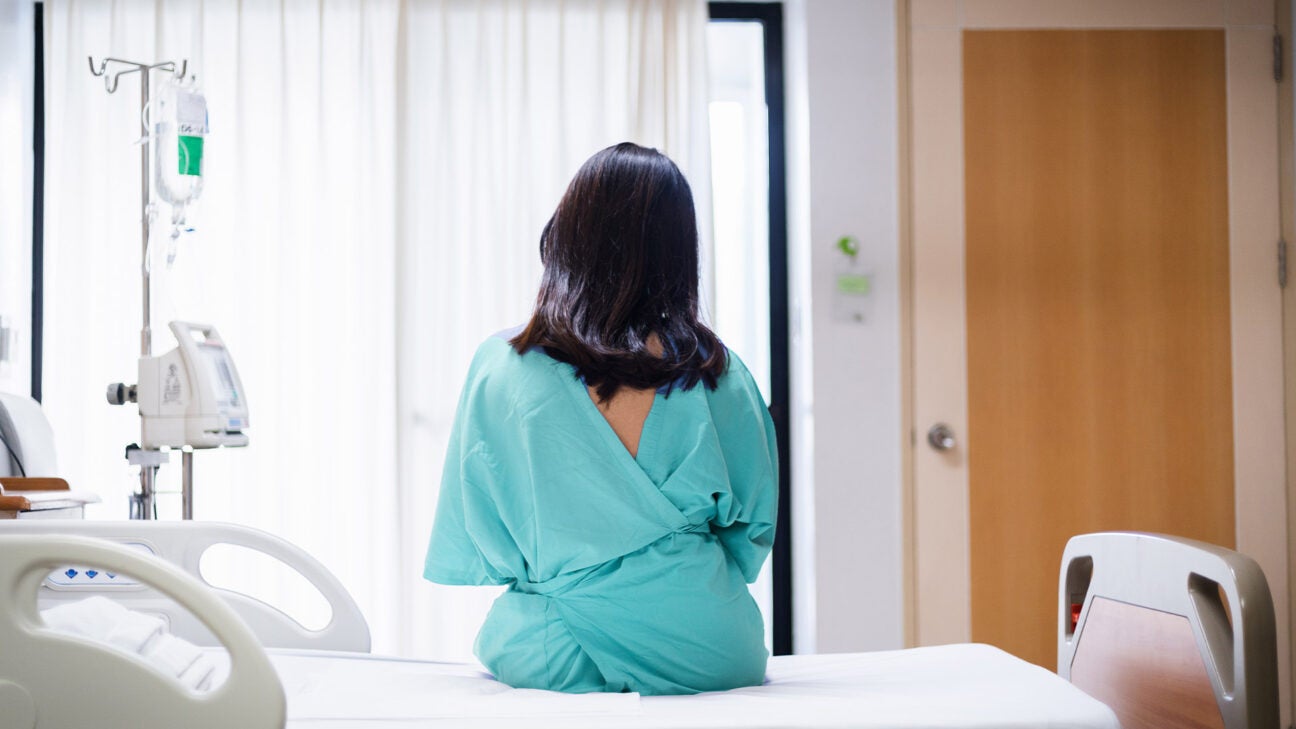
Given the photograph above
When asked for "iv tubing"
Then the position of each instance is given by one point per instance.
(146, 333)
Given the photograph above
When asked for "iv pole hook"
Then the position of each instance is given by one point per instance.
(110, 82)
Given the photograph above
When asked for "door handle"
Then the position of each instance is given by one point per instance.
(941, 437)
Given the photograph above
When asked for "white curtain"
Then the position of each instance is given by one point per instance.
(377, 175)
(17, 54)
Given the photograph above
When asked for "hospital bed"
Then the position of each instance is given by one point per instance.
(1168, 632)
(50, 680)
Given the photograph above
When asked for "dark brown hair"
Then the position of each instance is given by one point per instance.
(620, 261)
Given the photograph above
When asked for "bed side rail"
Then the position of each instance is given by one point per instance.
(182, 544)
(51, 680)
(1161, 627)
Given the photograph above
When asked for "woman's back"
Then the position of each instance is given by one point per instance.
(627, 572)
(628, 409)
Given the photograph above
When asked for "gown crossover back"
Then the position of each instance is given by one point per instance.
(624, 573)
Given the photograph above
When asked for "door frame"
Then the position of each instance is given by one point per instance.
(929, 42)
(1287, 188)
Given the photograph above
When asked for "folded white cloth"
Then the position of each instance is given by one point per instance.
(105, 621)
(182, 659)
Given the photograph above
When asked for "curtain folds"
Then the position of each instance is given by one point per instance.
(377, 175)
(17, 79)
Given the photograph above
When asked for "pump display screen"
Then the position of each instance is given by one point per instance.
(220, 376)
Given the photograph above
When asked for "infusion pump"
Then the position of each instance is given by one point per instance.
(190, 396)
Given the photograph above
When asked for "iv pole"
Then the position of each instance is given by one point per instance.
(143, 504)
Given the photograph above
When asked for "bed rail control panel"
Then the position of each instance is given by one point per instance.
(88, 577)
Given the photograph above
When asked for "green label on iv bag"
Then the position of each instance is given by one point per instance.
(190, 153)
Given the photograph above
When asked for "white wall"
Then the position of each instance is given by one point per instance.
(843, 169)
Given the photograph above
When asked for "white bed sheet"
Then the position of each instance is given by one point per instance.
(942, 687)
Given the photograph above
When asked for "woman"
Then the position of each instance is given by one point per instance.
(611, 462)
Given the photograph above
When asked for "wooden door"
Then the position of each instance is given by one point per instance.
(1095, 312)
(1099, 380)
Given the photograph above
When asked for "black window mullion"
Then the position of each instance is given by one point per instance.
(38, 207)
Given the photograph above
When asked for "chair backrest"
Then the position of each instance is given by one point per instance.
(182, 544)
(24, 428)
(1168, 631)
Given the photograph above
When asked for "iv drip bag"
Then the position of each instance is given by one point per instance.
(179, 117)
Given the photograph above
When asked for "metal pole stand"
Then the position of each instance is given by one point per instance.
(143, 504)
(186, 483)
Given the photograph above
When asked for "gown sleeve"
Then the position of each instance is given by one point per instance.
(746, 516)
(468, 529)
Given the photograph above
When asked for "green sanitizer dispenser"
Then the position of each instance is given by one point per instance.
(852, 283)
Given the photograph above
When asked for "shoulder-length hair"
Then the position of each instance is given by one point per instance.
(620, 259)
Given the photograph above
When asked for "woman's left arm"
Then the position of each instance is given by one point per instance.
(747, 514)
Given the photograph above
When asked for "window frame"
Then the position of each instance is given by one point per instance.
(38, 205)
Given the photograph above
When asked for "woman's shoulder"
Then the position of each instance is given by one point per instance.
(736, 379)
(498, 367)
(737, 397)
(494, 350)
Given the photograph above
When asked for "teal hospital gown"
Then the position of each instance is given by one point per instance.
(625, 573)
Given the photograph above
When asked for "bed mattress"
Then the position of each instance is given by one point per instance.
(945, 687)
